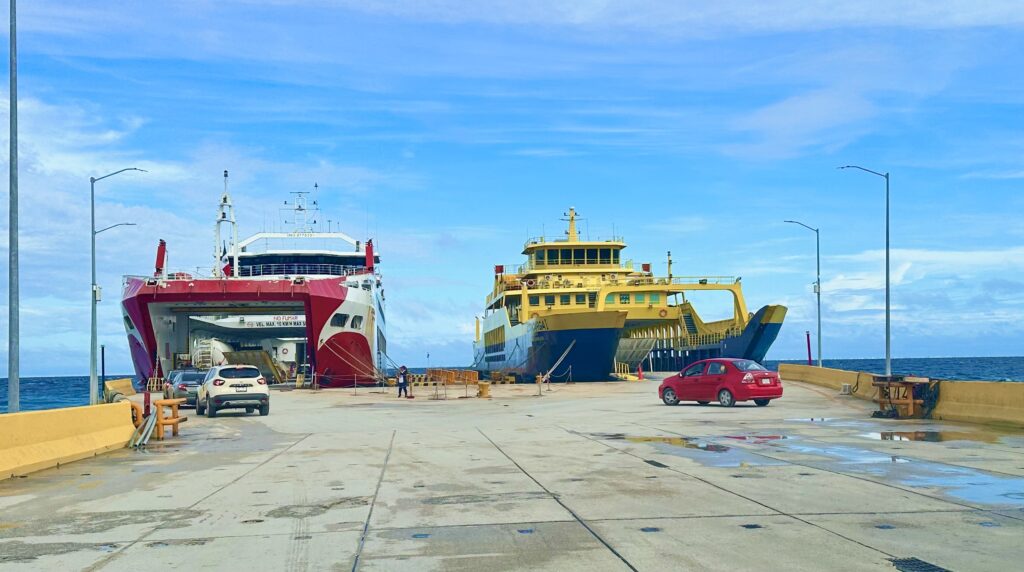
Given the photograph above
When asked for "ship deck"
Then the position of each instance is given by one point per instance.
(588, 477)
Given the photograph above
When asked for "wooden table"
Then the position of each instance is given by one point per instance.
(898, 392)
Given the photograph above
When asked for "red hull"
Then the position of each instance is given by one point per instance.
(339, 359)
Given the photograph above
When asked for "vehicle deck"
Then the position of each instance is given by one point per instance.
(588, 477)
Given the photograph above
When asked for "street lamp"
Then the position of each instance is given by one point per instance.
(817, 284)
(93, 389)
(888, 338)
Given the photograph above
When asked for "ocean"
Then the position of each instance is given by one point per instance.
(53, 392)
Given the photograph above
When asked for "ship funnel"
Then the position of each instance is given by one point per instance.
(161, 259)
(369, 255)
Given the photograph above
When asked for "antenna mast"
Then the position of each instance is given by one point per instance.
(225, 214)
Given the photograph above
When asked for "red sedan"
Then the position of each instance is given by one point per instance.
(726, 380)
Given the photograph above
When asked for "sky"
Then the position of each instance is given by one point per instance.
(452, 131)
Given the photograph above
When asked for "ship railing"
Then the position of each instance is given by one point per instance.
(697, 340)
(299, 269)
(534, 240)
(270, 270)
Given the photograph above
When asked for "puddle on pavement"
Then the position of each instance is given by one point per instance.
(933, 436)
(705, 450)
(963, 483)
(687, 442)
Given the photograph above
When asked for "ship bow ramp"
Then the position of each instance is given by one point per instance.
(758, 336)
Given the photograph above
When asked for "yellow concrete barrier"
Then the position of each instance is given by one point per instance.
(123, 386)
(981, 402)
(35, 440)
(484, 389)
(860, 382)
(989, 402)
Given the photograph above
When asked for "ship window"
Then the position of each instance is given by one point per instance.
(591, 256)
(128, 324)
(577, 256)
(553, 256)
(606, 256)
(592, 299)
(549, 300)
(639, 299)
(615, 257)
(534, 300)
(623, 298)
(339, 320)
(566, 255)
(581, 299)
(357, 322)
(655, 298)
(565, 300)
(610, 299)
(539, 255)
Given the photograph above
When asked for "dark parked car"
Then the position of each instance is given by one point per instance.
(184, 384)
(726, 380)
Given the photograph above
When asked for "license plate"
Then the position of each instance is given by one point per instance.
(766, 382)
(242, 389)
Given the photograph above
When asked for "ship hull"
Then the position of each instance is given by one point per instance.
(156, 315)
(569, 347)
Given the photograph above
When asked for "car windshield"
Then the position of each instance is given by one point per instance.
(191, 377)
(239, 372)
(748, 365)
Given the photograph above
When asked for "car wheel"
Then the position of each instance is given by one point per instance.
(725, 398)
(265, 409)
(249, 410)
(703, 402)
(199, 407)
(762, 402)
(669, 396)
(211, 409)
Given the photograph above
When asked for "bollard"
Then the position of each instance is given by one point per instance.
(540, 383)
(484, 390)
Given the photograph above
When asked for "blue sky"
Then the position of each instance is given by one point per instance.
(453, 132)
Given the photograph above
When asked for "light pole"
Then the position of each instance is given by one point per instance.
(888, 338)
(817, 283)
(93, 389)
(13, 308)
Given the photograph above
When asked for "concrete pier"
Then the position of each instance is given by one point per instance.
(588, 477)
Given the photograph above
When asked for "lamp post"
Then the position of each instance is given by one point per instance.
(817, 283)
(888, 338)
(13, 308)
(93, 389)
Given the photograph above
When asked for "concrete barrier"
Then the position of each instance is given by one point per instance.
(35, 440)
(123, 386)
(859, 381)
(990, 402)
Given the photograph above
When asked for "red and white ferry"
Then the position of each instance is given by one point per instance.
(297, 302)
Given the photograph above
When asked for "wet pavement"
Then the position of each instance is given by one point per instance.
(587, 477)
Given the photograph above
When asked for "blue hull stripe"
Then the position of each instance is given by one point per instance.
(591, 359)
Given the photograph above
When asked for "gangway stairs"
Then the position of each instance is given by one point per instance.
(259, 359)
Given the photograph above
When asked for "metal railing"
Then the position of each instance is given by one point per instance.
(564, 240)
(299, 269)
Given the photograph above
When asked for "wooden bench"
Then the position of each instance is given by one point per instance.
(173, 421)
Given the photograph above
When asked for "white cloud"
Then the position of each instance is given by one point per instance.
(696, 18)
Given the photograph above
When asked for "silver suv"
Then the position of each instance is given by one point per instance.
(233, 386)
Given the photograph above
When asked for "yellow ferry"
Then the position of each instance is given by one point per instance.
(577, 311)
